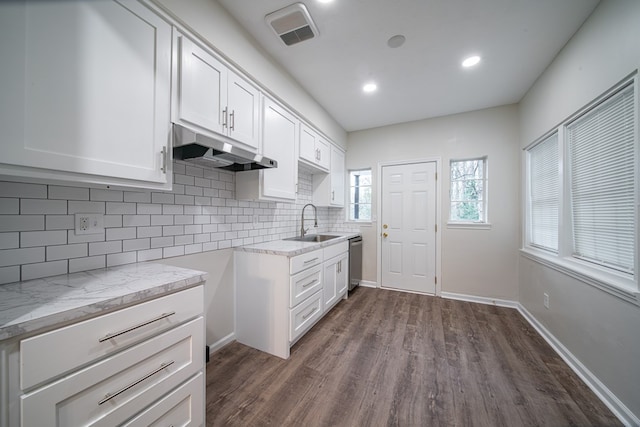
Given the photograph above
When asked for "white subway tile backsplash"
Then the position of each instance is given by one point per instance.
(68, 193)
(172, 251)
(136, 220)
(21, 222)
(21, 256)
(86, 207)
(149, 255)
(200, 214)
(77, 250)
(137, 197)
(84, 238)
(29, 239)
(112, 221)
(98, 194)
(161, 242)
(101, 248)
(149, 209)
(162, 198)
(149, 232)
(136, 244)
(19, 189)
(121, 208)
(121, 233)
(9, 274)
(9, 206)
(121, 258)
(43, 269)
(9, 240)
(88, 263)
(59, 222)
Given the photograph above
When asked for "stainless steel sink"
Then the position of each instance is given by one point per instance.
(313, 238)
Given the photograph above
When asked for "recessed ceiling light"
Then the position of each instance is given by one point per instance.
(370, 87)
(396, 41)
(471, 61)
(325, 1)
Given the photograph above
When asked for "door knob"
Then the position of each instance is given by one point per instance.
(384, 234)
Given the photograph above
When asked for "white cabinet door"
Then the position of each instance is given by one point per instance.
(314, 151)
(337, 177)
(329, 289)
(324, 153)
(308, 143)
(244, 111)
(280, 137)
(202, 88)
(342, 277)
(85, 92)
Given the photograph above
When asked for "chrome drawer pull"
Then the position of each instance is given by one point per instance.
(311, 260)
(309, 313)
(109, 396)
(310, 283)
(133, 328)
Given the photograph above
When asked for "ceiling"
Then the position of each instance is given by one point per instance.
(517, 39)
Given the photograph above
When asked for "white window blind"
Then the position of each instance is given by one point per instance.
(544, 194)
(602, 153)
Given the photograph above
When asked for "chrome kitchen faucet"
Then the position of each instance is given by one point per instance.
(315, 220)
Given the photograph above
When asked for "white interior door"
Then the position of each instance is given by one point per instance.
(408, 239)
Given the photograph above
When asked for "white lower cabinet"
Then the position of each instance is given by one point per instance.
(136, 366)
(279, 298)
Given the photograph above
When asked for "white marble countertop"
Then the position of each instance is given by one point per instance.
(291, 248)
(35, 304)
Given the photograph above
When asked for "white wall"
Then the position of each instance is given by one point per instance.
(214, 24)
(601, 330)
(474, 262)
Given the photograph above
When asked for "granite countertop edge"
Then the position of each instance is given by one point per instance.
(38, 304)
(291, 248)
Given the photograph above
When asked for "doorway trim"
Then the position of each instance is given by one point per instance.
(438, 162)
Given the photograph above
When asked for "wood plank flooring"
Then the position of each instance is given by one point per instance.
(386, 358)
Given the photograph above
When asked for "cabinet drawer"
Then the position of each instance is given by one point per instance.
(53, 353)
(114, 389)
(304, 261)
(304, 315)
(335, 250)
(305, 284)
(181, 407)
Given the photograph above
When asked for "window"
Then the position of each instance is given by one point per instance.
(544, 193)
(360, 195)
(468, 192)
(602, 155)
(582, 192)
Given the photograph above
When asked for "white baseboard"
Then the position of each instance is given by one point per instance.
(618, 408)
(480, 300)
(221, 343)
(368, 284)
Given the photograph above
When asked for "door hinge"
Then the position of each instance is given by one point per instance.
(436, 176)
(436, 279)
(436, 228)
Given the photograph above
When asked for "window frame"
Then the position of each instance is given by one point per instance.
(623, 285)
(484, 222)
(352, 202)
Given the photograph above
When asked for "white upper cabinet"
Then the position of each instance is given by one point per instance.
(314, 150)
(85, 92)
(279, 142)
(328, 190)
(213, 98)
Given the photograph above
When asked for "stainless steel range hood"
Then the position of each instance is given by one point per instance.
(203, 150)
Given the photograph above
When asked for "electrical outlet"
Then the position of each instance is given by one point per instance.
(546, 300)
(89, 223)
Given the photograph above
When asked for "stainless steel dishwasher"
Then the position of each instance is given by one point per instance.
(355, 261)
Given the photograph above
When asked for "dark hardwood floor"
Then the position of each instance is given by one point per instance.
(386, 358)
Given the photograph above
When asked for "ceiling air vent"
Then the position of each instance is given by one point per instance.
(292, 24)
